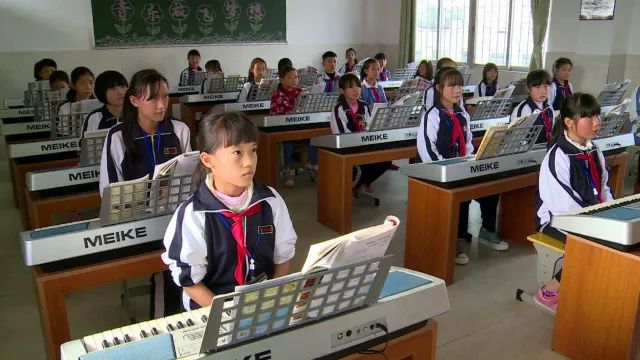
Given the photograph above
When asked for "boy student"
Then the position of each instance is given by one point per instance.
(186, 76)
(43, 69)
(58, 80)
(538, 82)
(329, 76)
(385, 74)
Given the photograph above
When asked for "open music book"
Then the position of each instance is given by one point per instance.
(183, 164)
(357, 246)
(521, 122)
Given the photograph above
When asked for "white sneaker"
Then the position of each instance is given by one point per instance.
(491, 239)
(462, 259)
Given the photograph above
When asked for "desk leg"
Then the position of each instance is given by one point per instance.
(53, 316)
(617, 171)
(432, 230)
(516, 220)
(267, 169)
(335, 199)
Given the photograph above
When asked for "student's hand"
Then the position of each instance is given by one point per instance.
(200, 293)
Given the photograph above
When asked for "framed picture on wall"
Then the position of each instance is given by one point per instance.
(597, 9)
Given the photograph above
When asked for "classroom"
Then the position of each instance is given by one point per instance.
(227, 179)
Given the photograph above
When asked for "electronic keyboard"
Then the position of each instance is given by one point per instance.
(44, 147)
(390, 84)
(484, 124)
(291, 120)
(617, 143)
(62, 177)
(184, 90)
(365, 140)
(614, 223)
(241, 106)
(203, 98)
(406, 301)
(16, 113)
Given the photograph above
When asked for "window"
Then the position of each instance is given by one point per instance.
(475, 31)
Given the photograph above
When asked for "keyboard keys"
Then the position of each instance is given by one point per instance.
(89, 344)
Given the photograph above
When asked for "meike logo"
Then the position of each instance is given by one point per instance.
(38, 127)
(187, 88)
(71, 145)
(297, 119)
(477, 125)
(527, 162)
(212, 97)
(263, 355)
(84, 175)
(612, 145)
(411, 135)
(250, 106)
(25, 112)
(485, 167)
(114, 237)
(376, 137)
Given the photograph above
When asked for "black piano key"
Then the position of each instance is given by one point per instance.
(127, 338)
(204, 318)
(190, 322)
(154, 331)
(116, 341)
(180, 325)
(170, 327)
(143, 334)
(105, 344)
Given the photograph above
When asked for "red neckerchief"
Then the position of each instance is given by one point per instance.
(328, 83)
(457, 136)
(375, 93)
(566, 89)
(238, 234)
(383, 76)
(547, 124)
(594, 180)
(356, 118)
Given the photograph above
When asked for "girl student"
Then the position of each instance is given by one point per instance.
(214, 71)
(425, 71)
(573, 175)
(110, 89)
(43, 69)
(437, 142)
(257, 70)
(444, 62)
(232, 230)
(372, 92)
(489, 84)
(351, 114)
(82, 82)
(351, 61)
(560, 86)
(538, 82)
(283, 101)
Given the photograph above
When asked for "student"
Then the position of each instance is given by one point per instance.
(436, 142)
(489, 84)
(110, 89)
(282, 63)
(282, 102)
(560, 86)
(232, 229)
(43, 69)
(351, 114)
(573, 175)
(538, 82)
(58, 80)
(425, 71)
(214, 70)
(444, 62)
(372, 92)
(329, 77)
(145, 137)
(82, 82)
(351, 62)
(187, 75)
(257, 70)
(384, 74)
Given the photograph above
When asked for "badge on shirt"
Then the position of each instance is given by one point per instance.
(265, 229)
(171, 151)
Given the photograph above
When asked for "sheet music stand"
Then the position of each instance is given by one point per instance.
(262, 92)
(520, 92)
(91, 146)
(280, 304)
(66, 126)
(611, 124)
(307, 79)
(612, 97)
(227, 84)
(491, 109)
(395, 117)
(312, 103)
(193, 78)
(510, 141)
(404, 91)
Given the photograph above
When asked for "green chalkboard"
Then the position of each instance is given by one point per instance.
(125, 23)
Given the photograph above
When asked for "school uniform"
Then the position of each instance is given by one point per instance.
(546, 117)
(203, 246)
(486, 89)
(384, 75)
(245, 91)
(186, 76)
(346, 68)
(372, 94)
(330, 82)
(99, 119)
(571, 177)
(558, 92)
(346, 119)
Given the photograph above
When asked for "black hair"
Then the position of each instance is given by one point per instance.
(365, 66)
(560, 62)
(285, 70)
(140, 81)
(251, 78)
(440, 63)
(79, 72)
(346, 81)
(219, 131)
(107, 80)
(380, 56)
(58, 75)
(215, 64)
(282, 63)
(41, 65)
(575, 106)
(193, 52)
(488, 67)
(429, 65)
(446, 76)
(328, 54)
(537, 78)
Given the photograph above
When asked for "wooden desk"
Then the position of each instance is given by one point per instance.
(188, 115)
(598, 314)
(335, 198)
(42, 210)
(417, 345)
(51, 288)
(267, 170)
(432, 230)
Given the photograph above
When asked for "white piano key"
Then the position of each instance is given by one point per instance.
(89, 344)
(119, 336)
(146, 327)
(158, 325)
(133, 331)
(97, 340)
(108, 337)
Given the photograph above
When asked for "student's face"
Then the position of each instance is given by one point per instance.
(194, 61)
(290, 80)
(233, 167)
(115, 95)
(584, 128)
(372, 71)
(45, 72)
(422, 70)
(450, 93)
(351, 56)
(352, 93)
(59, 85)
(330, 64)
(382, 63)
(492, 75)
(152, 109)
(539, 93)
(84, 87)
(259, 69)
(564, 73)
